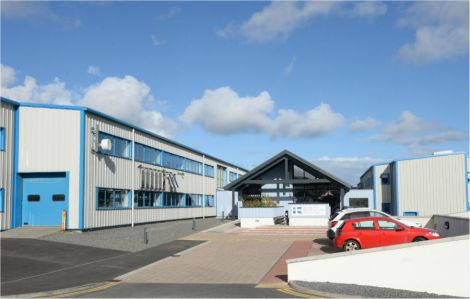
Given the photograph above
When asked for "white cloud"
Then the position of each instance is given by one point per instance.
(290, 67)
(30, 91)
(8, 75)
(441, 31)
(368, 9)
(128, 99)
(420, 136)
(315, 122)
(279, 19)
(364, 124)
(223, 111)
(156, 41)
(94, 70)
(31, 10)
(125, 98)
(349, 169)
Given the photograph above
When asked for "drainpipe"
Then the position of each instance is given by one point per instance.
(203, 186)
(133, 177)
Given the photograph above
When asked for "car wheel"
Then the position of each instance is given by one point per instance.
(419, 239)
(351, 245)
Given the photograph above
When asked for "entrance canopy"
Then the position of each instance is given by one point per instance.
(287, 178)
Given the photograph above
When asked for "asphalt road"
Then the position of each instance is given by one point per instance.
(30, 265)
(137, 290)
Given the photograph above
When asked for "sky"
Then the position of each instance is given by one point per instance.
(341, 84)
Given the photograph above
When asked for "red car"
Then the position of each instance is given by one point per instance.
(371, 232)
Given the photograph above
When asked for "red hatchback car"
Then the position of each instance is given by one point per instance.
(371, 232)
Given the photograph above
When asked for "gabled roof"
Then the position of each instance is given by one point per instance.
(276, 159)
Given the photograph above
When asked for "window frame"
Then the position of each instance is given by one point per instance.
(113, 149)
(2, 200)
(3, 139)
(125, 199)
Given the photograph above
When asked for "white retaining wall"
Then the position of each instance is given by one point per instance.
(439, 266)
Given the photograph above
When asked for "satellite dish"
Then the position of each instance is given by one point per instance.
(106, 144)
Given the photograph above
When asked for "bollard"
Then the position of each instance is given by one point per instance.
(194, 223)
(223, 216)
(64, 220)
(146, 237)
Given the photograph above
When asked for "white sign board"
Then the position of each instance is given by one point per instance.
(309, 210)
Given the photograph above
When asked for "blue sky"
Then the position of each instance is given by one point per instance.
(342, 84)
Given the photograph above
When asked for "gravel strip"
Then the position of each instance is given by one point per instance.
(364, 291)
(132, 238)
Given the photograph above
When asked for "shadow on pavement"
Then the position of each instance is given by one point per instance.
(327, 245)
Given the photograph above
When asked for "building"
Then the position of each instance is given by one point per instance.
(422, 186)
(287, 178)
(102, 171)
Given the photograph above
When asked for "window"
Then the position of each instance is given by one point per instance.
(112, 198)
(367, 225)
(34, 197)
(172, 161)
(386, 207)
(232, 176)
(2, 139)
(58, 197)
(147, 199)
(410, 213)
(209, 200)
(221, 176)
(358, 202)
(147, 154)
(2, 199)
(172, 199)
(209, 170)
(387, 225)
(120, 147)
(385, 179)
(355, 215)
(193, 166)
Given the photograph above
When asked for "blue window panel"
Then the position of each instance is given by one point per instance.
(147, 154)
(2, 199)
(209, 200)
(410, 213)
(120, 147)
(112, 199)
(386, 207)
(232, 176)
(2, 139)
(209, 170)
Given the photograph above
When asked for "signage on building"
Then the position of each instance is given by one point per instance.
(309, 210)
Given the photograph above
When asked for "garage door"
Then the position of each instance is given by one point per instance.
(44, 197)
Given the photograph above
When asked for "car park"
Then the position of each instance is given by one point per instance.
(369, 232)
(338, 217)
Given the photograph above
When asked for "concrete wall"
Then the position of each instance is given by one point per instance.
(441, 266)
(7, 121)
(359, 193)
(382, 191)
(255, 222)
(457, 225)
(49, 141)
(433, 185)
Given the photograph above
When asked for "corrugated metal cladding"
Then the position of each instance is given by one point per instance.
(382, 191)
(7, 121)
(367, 180)
(434, 185)
(113, 172)
(49, 141)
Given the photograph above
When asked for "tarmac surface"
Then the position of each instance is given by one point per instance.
(30, 265)
(361, 290)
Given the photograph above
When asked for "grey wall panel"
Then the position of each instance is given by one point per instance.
(434, 185)
(382, 191)
(49, 141)
(114, 172)
(7, 121)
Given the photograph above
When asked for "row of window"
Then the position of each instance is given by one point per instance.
(122, 148)
(118, 199)
(232, 176)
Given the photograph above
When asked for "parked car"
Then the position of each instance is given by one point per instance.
(371, 232)
(338, 217)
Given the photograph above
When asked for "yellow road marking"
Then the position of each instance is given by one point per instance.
(104, 286)
(296, 294)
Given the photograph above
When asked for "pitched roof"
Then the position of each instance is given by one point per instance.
(274, 160)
